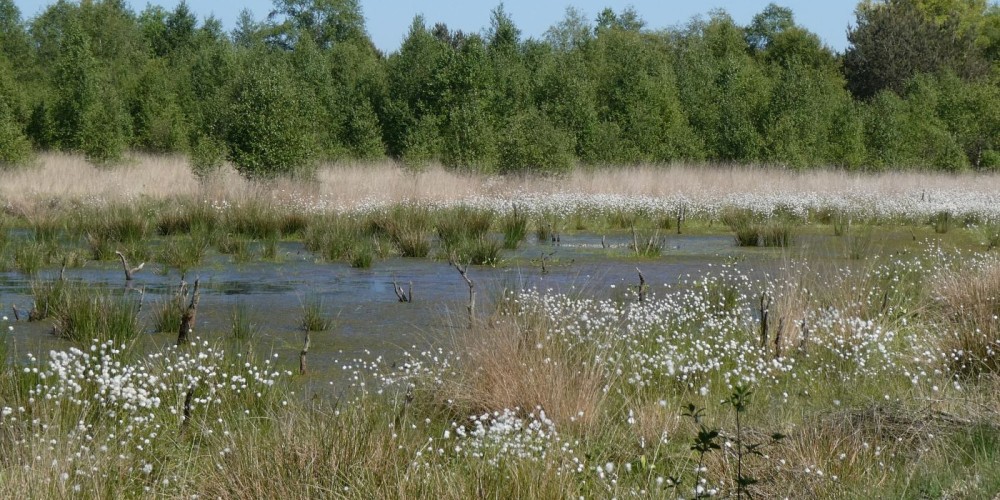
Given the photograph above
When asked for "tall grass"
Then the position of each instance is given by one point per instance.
(242, 326)
(515, 228)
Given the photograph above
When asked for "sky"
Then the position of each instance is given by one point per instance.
(388, 20)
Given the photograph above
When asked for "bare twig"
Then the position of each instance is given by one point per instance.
(17, 315)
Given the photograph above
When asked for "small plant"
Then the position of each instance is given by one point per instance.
(48, 298)
(841, 224)
(647, 246)
(314, 316)
(235, 245)
(29, 257)
(269, 248)
(740, 400)
(515, 228)
(462, 223)
(859, 242)
(704, 443)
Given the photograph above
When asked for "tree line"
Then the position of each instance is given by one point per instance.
(917, 87)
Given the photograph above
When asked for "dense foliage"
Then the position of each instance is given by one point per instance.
(918, 87)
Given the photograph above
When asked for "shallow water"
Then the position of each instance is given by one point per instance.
(368, 316)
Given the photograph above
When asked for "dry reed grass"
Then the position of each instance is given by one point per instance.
(513, 365)
(968, 301)
(62, 176)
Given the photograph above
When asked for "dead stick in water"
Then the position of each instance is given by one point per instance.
(302, 355)
(472, 292)
(17, 315)
(642, 286)
(187, 320)
(129, 272)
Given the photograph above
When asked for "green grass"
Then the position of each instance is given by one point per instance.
(242, 326)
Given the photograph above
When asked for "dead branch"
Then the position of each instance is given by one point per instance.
(400, 294)
(129, 272)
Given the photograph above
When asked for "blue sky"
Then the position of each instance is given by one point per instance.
(388, 20)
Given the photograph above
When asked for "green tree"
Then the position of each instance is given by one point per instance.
(267, 135)
(14, 145)
(893, 40)
(328, 21)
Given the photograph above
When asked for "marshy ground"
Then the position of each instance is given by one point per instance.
(824, 334)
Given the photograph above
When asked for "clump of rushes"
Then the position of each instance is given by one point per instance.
(336, 237)
(167, 314)
(745, 226)
(480, 251)
(254, 218)
(236, 245)
(314, 316)
(187, 218)
(361, 255)
(119, 222)
(459, 224)
(46, 227)
(184, 252)
(407, 225)
(515, 228)
(84, 313)
(29, 257)
(942, 221)
(243, 328)
(48, 295)
(269, 248)
(777, 233)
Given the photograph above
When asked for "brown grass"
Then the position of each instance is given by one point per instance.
(969, 310)
(512, 365)
(63, 176)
